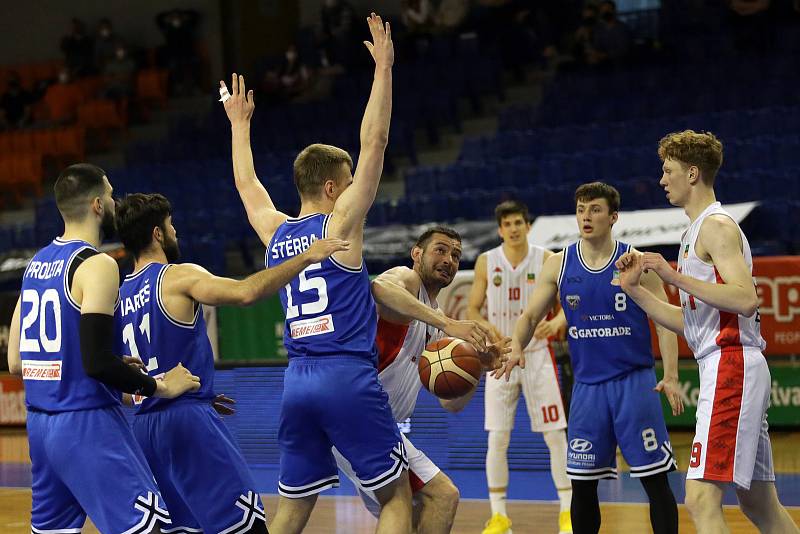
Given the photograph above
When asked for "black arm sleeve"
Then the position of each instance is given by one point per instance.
(100, 363)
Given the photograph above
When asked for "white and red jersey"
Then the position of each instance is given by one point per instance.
(509, 288)
(708, 329)
(399, 349)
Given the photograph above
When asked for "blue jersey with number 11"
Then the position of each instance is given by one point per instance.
(147, 330)
(329, 307)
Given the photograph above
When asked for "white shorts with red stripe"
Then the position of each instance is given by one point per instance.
(538, 383)
(421, 470)
(731, 442)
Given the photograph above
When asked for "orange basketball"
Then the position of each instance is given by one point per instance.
(449, 368)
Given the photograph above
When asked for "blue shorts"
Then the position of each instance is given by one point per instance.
(336, 402)
(199, 468)
(88, 462)
(624, 411)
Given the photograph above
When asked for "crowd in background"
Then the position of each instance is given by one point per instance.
(104, 55)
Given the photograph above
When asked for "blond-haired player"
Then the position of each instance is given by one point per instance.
(504, 279)
(719, 318)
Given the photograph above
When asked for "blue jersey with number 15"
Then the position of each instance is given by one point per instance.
(329, 307)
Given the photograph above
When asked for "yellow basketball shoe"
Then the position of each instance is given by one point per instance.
(498, 524)
(564, 523)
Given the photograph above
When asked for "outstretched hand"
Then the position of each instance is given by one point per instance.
(239, 107)
(496, 354)
(381, 48)
(324, 248)
(630, 270)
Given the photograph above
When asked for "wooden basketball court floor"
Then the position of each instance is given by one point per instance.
(345, 514)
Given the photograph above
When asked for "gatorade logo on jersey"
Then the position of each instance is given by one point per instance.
(614, 331)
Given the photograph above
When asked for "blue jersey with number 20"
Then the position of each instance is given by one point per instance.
(329, 307)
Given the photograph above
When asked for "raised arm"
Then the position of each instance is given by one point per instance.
(261, 211)
(352, 206)
(14, 361)
(477, 296)
(194, 282)
(721, 240)
(540, 302)
(396, 291)
(660, 311)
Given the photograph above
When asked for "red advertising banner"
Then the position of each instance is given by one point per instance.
(778, 285)
(12, 400)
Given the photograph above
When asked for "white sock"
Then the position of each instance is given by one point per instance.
(497, 469)
(556, 441)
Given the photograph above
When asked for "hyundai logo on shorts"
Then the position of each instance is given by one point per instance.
(580, 445)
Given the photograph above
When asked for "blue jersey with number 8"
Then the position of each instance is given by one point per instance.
(49, 341)
(144, 328)
(608, 334)
(329, 307)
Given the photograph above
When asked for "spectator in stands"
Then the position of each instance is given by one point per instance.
(15, 104)
(417, 15)
(751, 24)
(338, 32)
(450, 16)
(290, 79)
(119, 74)
(78, 50)
(105, 44)
(611, 38)
(178, 53)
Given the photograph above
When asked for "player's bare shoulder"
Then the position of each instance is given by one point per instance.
(403, 277)
(717, 232)
(552, 266)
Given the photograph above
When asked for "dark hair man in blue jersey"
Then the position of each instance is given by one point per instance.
(160, 319)
(331, 396)
(609, 339)
(84, 458)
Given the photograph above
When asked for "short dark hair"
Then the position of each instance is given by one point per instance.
(595, 190)
(315, 165)
(511, 207)
(75, 186)
(427, 235)
(137, 215)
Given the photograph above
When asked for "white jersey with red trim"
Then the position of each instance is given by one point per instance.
(399, 349)
(509, 288)
(708, 329)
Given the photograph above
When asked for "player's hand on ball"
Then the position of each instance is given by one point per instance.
(652, 261)
(325, 248)
(516, 359)
(223, 404)
(630, 269)
(496, 354)
(176, 382)
(672, 391)
(471, 331)
(381, 48)
(240, 105)
(545, 329)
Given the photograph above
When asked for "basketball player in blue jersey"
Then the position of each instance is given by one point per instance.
(159, 318)
(331, 396)
(609, 339)
(84, 458)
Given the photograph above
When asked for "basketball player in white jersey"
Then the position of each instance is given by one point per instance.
(504, 279)
(719, 318)
(409, 319)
